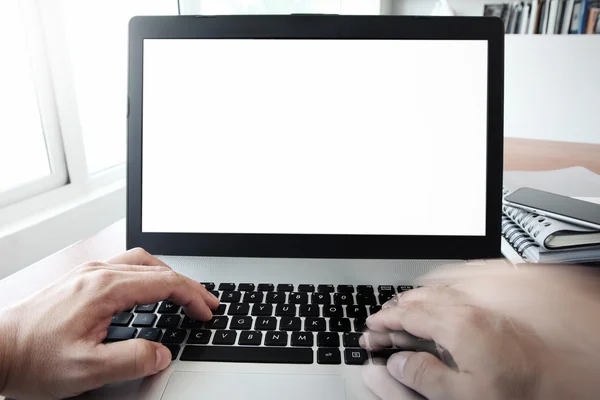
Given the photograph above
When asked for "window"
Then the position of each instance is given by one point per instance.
(31, 159)
(63, 91)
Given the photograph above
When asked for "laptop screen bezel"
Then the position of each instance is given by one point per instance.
(318, 27)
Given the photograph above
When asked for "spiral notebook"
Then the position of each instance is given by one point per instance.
(540, 239)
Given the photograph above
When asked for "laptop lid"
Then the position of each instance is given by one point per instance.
(315, 136)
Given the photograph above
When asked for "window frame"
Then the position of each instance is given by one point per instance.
(40, 73)
(59, 113)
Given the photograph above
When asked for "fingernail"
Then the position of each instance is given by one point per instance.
(369, 320)
(395, 365)
(390, 303)
(163, 358)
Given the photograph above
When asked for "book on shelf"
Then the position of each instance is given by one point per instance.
(547, 16)
(540, 239)
(552, 17)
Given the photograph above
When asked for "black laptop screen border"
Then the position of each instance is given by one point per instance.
(318, 27)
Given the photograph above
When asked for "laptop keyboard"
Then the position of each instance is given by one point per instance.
(265, 323)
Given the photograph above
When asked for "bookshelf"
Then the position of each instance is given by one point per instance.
(552, 82)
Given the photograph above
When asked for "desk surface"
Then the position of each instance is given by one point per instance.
(520, 154)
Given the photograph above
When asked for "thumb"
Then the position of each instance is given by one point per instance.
(424, 373)
(131, 359)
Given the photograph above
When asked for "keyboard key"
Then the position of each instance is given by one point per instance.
(266, 287)
(265, 310)
(285, 287)
(359, 324)
(189, 323)
(231, 297)
(339, 325)
(246, 287)
(386, 289)
(365, 289)
(404, 288)
(285, 310)
(265, 324)
(250, 338)
(144, 320)
(117, 333)
(302, 339)
(253, 297)
(356, 311)
(374, 309)
(208, 285)
(309, 310)
(384, 297)
(225, 337)
(227, 286)
(276, 297)
(238, 309)
(146, 308)
(241, 323)
(201, 336)
(276, 338)
(328, 339)
(306, 288)
(345, 288)
(355, 356)
(298, 298)
(351, 339)
(168, 307)
(219, 322)
(174, 349)
(220, 310)
(366, 299)
(288, 355)
(315, 324)
(329, 356)
(325, 289)
(174, 336)
(290, 324)
(122, 319)
(152, 334)
(333, 311)
(343, 298)
(215, 293)
(321, 298)
(168, 321)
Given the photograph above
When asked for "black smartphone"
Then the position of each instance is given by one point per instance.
(556, 206)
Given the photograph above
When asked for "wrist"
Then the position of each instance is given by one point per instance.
(7, 341)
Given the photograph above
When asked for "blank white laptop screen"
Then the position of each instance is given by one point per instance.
(368, 137)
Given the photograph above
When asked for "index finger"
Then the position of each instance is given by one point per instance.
(425, 320)
(127, 288)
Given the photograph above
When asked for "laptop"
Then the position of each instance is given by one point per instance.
(305, 169)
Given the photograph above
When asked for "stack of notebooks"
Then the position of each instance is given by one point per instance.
(544, 240)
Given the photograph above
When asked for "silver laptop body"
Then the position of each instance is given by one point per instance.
(306, 150)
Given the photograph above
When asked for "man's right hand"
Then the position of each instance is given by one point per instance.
(512, 334)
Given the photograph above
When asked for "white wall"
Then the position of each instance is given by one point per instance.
(552, 82)
(553, 87)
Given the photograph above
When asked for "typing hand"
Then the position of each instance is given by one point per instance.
(512, 334)
(51, 344)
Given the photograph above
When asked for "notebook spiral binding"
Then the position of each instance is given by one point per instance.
(519, 239)
(516, 237)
